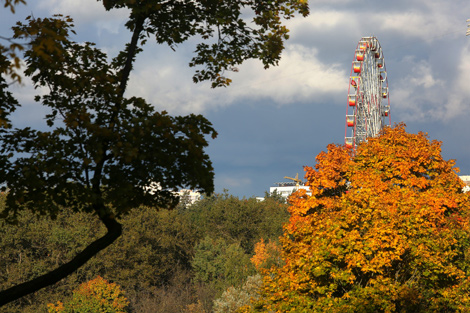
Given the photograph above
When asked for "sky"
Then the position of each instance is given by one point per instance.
(272, 123)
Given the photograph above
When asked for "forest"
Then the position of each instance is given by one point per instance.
(180, 260)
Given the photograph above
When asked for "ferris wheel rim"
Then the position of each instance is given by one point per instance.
(368, 93)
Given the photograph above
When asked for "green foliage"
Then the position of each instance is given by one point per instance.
(275, 195)
(97, 295)
(155, 245)
(242, 221)
(219, 263)
(37, 244)
(158, 246)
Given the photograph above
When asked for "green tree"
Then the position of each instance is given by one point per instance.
(220, 264)
(242, 221)
(156, 245)
(36, 244)
(386, 230)
(104, 151)
(275, 195)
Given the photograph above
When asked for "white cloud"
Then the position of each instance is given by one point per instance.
(300, 77)
(87, 12)
(320, 20)
(30, 113)
(424, 20)
(458, 102)
(423, 76)
(418, 95)
(406, 23)
(423, 95)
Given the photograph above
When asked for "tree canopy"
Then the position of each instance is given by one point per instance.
(165, 259)
(384, 231)
(106, 153)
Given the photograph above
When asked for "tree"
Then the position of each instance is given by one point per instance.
(266, 255)
(104, 151)
(36, 244)
(220, 264)
(235, 298)
(384, 231)
(96, 295)
(242, 221)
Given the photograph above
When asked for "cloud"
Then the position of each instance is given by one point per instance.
(426, 21)
(458, 102)
(320, 20)
(87, 12)
(416, 25)
(418, 94)
(300, 77)
(429, 93)
(30, 113)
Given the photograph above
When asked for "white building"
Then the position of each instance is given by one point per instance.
(188, 196)
(466, 180)
(285, 189)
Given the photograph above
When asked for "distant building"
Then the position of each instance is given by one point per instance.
(466, 180)
(188, 197)
(285, 189)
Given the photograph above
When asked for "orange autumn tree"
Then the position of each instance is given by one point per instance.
(386, 230)
(97, 295)
(266, 255)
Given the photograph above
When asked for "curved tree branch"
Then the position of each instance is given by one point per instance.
(21, 290)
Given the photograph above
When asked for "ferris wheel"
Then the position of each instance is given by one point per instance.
(368, 107)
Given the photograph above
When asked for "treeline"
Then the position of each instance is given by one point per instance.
(180, 260)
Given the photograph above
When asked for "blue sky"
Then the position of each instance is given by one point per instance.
(273, 122)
